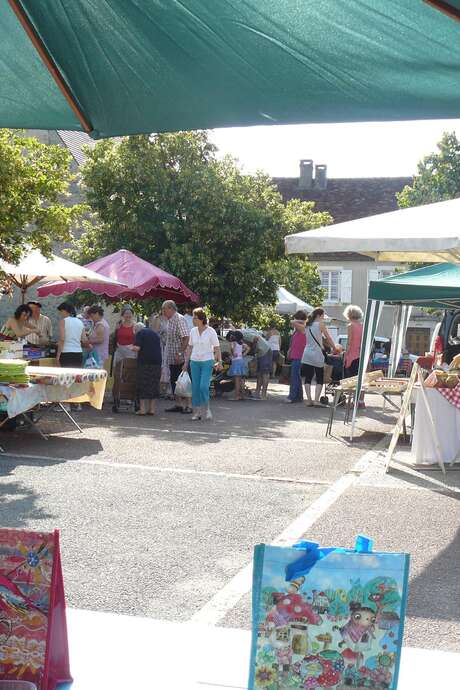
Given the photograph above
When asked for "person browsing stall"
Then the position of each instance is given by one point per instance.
(147, 344)
(100, 335)
(203, 353)
(238, 369)
(17, 326)
(177, 339)
(313, 359)
(274, 340)
(72, 337)
(42, 323)
(295, 352)
(264, 358)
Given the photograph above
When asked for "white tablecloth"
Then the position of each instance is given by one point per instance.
(447, 419)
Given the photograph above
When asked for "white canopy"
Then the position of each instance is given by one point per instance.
(287, 303)
(429, 233)
(35, 267)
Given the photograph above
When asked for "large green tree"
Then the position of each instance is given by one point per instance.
(169, 199)
(34, 179)
(438, 175)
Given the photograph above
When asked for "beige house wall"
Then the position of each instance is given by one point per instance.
(361, 272)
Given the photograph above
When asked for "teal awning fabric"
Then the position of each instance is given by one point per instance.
(435, 286)
(135, 66)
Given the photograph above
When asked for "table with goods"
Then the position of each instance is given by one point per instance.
(32, 391)
(436, 435)
(391, 390)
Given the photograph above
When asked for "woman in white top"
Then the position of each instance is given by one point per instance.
(71, 337)
(313, 359)
(203, 352)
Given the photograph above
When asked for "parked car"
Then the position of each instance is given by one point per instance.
(447, 339)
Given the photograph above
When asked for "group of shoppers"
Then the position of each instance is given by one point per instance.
(308, 352)
(191, 345)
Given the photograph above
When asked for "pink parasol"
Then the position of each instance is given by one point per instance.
(140, 279)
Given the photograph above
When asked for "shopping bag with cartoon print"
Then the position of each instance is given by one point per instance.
(327, 617)
(33, 630)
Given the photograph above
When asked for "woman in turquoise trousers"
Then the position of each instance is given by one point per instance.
(203, 353)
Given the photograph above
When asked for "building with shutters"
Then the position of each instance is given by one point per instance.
(345, 276)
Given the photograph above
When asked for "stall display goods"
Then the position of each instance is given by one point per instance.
(13, 371)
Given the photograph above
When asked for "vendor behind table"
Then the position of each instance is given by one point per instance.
(42, 324)
(17, 327)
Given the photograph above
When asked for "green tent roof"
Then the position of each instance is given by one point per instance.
(432, 286)
(132, 66)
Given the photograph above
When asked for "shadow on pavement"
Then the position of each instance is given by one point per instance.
(435, 592)
(18, 502)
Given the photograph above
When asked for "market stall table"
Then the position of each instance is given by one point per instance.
(375, 384)
(436, 433)
(52, 386)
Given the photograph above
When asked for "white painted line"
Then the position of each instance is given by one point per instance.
(224, 600)
(166, 470)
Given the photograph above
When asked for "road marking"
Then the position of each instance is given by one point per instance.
(165, 470)
(226, 598)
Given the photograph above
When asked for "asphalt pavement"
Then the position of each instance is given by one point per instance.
(159, 515)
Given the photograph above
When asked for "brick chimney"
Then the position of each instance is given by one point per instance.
(321, 176)
(306, 174)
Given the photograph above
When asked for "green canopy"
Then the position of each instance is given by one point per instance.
(130, 66)
(435, 286)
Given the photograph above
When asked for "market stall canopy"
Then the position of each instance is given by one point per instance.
(429, 234)
(432, 286)
(128, 66)
(287, 303)
(134, 279)
(435, 286)
(35, 267)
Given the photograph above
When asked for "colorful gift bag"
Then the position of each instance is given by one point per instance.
(327, 618)
(33, 630)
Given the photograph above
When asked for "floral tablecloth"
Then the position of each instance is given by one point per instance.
(21, 399)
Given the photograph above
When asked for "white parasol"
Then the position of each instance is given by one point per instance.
(35, 267)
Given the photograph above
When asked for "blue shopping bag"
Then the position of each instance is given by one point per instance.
(327, 617)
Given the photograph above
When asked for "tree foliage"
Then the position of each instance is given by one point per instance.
(34, 178)
(170, 200)
(438, 175)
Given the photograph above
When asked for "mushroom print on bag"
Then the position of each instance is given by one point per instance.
(338, 627)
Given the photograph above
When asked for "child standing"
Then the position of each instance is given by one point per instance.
(238, 367)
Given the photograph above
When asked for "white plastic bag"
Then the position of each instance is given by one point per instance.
(184, 386)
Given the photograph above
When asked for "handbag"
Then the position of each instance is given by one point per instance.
(327, 617)
(321, 347)
(33, 624)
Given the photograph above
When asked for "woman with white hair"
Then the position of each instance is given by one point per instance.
(354, 316)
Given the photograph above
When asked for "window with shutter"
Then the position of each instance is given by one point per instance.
(331, 283)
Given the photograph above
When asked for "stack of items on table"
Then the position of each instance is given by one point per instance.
(13, 372)
(11, 349)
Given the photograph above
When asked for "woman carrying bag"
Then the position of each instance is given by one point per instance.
(313, 358)
(203, 352)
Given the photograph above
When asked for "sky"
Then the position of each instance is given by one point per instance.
(364, 149)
